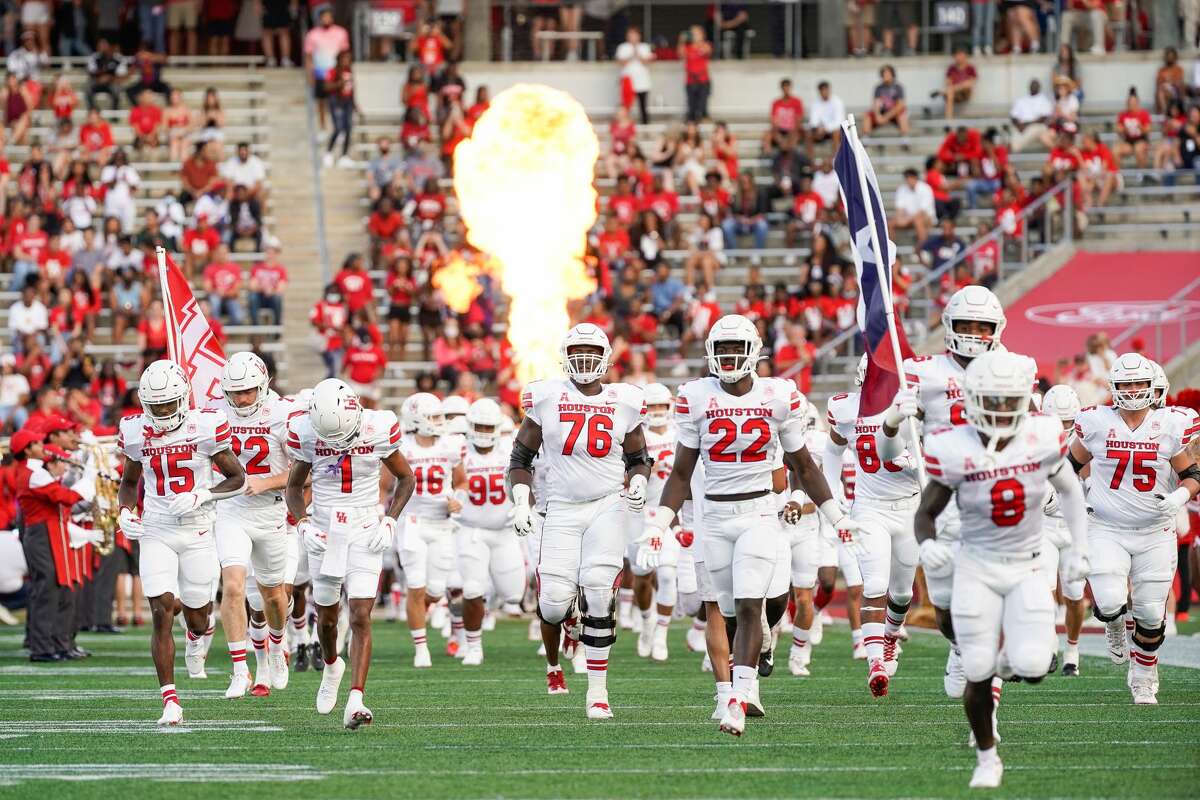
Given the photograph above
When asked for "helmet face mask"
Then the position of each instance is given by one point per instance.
(1160, 385)
(997, 415)
(1131, 382)
(972, 322)
(165, 395)
(425, 413)
(484, 421)
(245, 373)
(585, 352)
(971, 338)
(997, 391)
(1062, 401)
(658, 402)
(732, 348)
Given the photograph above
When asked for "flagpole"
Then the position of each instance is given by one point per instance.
(850, 129)
(172, 343)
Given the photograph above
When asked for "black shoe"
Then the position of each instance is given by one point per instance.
(107, 629)
(70, 655)
(1070, 670)
(314, 655)
(88, 629)
(46, 658)
(766, 663)
(300, 659)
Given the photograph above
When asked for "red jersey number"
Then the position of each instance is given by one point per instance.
(485, 489)
(257, 448)
(1144, 476)
(868, 456)
(429, 479)
(171, 474)
(727, 432)
(1008, 502)
(598, 434)
(958, 413)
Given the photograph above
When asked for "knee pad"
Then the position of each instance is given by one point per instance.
(599, 623)
(1109, 595)
(899, 595)
(667, 593)
(689, 604)
(1030, 661)
(1150, 609)
(253, 596)
(326, 591)
(556, 599)
(1149, 639)
(1098, 614)
(598, 602)
(473, 587)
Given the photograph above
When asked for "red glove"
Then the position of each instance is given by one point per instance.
(685, 538)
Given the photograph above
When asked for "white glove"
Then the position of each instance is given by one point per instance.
(936, 557)
(187, 502)
(130, 523)
(1174, 501)
(650, 543)
(903, 407)
(522, 513)
(384, 535)
(315, 539)
(1077, 566)
(635, 495)
(833, 512)
(81, 536)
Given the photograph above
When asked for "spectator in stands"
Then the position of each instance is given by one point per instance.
(1080, 13)
(1009, 213)
(794, 357)
(74, 24)
(219, 16)
(329, 316)
(151, 235)
(28, 316)
(825, 183)
(1169, 82)
(960, 81)
(1189, 144)
(178, 120)
(428, 216)
(635, 57)
(1030, 116)
(914, 206)
(401, 289)
(384, 173)
(223, 283)
(146, 119)
(1133, 132)
(246, 169)
(105, 71)
(805, 212)
(276, 31)
(961, 150)
(182, 18)
(860, 22)
(120, 182)
(339, 95)
(935, 175)
(988, 172)
(123, 255)
(364, 363)
(696, 53)
(748, 214)
(27, 249)
(689, 160)
(245, 219)
(14, 394)
(983, 26)
(787, 117)
(127, 298)
(898, 16)
(18, 108)
(1100, 167)
(706, 246)
(1022, 26)
(943, 247)
(198, 175)
(386, 227)
(888, 106)
(825, 116)
(1166, 153)
(199, 244)
(732, 26)
(354, 284)
(321, 47)
(431, 45)
(24, 61)
(1066, 112)
(147, 65)
(622, 136)
(152, 334)
(152, 19)
(724, 151)
(451, 354)
(667, 295)
(268, 283)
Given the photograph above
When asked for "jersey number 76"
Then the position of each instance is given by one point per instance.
(599, 432)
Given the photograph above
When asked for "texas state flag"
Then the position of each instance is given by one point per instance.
(883, 373)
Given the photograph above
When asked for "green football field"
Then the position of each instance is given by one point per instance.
(87, 730)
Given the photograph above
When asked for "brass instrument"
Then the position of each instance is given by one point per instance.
(105, 508)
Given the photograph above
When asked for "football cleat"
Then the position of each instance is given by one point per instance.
(733, 719)
(987, 774)
(723, 699)
(356, 714)
(571, 631)
(860, 652)
(421, 658)
(331, 679)
(955, 680)
(816, 631)
(315, 657)
(172, 714)
(706, 664)
(902, 634)
(238, 686)
(300, 658)
(877, 678)
(798, 661)
(452, 648)
(473, 657)
(556, 682)
(489, 620)
(695, 640)
(659, 651)
(277, 668)
(1053, 664)
(195, 666)
(1114, 636)
(625, 617)
(598, 707)
(1070, 670)
(645, 639)
(766, 663)
(260, 690)
(1144, 694)
(753, 704)
(891, 651)
(535, 630)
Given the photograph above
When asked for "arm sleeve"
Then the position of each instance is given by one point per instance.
(687, 433)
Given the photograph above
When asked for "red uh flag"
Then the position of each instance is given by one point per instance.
(190, 340)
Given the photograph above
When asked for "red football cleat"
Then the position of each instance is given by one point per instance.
(260, 690)
(877, 678)
(556, 683)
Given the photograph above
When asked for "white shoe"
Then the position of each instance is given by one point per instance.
(695, 640)
(816, 631)
(625, 618)
(421, 659)
(356, 714)
(798, 661)
(172, 714)
(754, 706)
(327, 160)
(474, 657)
(733, 719)
(346, 162)
(597, 706)
(195, 666)
(238, 685)
(645, 640)
(723, 699)
(860, 652)
(439, 618)
(1114, 636)
(955, 680)
(659, 651)
(331, 679)
(987, 774)
(535, 631)
(706, 664)
(1144, 694)
(1172, 629)
(541, 651)
(489, 621)
(277, 668)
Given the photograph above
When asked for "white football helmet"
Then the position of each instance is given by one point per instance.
(454, 405)
(165, 394)
(335, 413)
(1127, 369)
(732, 367)
(484, 423)
(975, 303)
(407, 423)
(996, 392)
(426, 414)
(1161, 386)
(585, 367)
(1061, 401)
(243, 372)
(860, 372)
(658, 404)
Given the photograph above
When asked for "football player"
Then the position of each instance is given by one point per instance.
(594, 445)
(732, 422)
(427, 549)
(972, 324)
(180, 451)
(488, 550)
(341, 447)
(1142, 475)
(252, 529)
(996, 467)
(660, 584)
(886, 494)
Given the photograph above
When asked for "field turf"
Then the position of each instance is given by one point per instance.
(87, 731)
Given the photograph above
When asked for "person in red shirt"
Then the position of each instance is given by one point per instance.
(696, 52)
(223, 282)
(613, 244)
(152, 333)
(724, 150)
(364, 362)
(53, 262)
(1008, 214)
(1064, 156)
(483, 101)
(714, 198)
(794, 358)
(199, 243)
(961, 151)
(96, 138)
(268, 282)
(935, 175)
(146, 119)
(787, 115)
(1133, 132)
(665, 205)
(63, 98)
(386, 226)
(806, 211)
(431, 45)
(28, 243)
(985, 259)
(990, 169)
(355, 285)
(622, 134)
(622, 203)
(329, 316)
(1099, 166)
(960, 81)
(401, 289)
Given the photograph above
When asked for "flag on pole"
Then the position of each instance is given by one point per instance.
(190, 340)
(864, 211)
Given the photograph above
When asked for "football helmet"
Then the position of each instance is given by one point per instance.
(585, 367)
(976, 303)
(860, 372)
(484, 421)
(407, 424)
(165, 394)
(658, 404)
(335, 413)
(426, 414)
(243, 372)
(454, 405)
(1161, 386)
(996, 392)
(1061, 401)
(1131, 368)
(732, 367)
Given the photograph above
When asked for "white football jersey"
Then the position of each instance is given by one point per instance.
(938, 381)
(874, 478)
(815, 440)
(661, 448)
(260, 443)
(999, 496)
(1131, 470)
(582, 436)
(346, 478)
(737, 436)
(175, 462)
(488, 505)
(849, 474)
(540, 474)
(432, 467)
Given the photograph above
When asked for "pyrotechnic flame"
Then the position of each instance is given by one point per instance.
(524, 186)
(458, 282)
